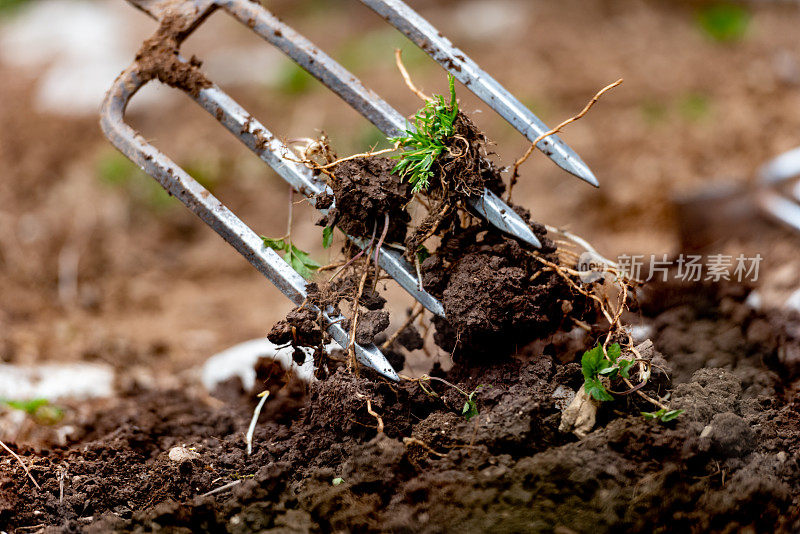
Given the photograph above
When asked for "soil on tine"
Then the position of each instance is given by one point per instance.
(367, 196)
(496, 296)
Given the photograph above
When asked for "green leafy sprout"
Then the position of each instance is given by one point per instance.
(594, 365)
(39, 409)
(433, 126)
(327, 236)
(663, 415)
(298, 260)
(470, 409)
(336, 481)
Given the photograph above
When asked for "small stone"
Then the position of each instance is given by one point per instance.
(182, 454)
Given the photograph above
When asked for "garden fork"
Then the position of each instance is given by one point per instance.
(190, 14)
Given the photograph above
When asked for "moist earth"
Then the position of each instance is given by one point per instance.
(729, 463)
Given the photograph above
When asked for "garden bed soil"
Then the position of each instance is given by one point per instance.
(730, 462)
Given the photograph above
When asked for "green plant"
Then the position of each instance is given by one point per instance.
(297, 259)
(663, 415)
(433, 125)
(595, 364)
(39, 409)
(327, 236)
(471, 406)
(336, 481)
(724, 22)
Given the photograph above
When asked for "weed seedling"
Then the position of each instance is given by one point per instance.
(434, 125)
(336, 481)
(471, 407)
(594, 365)
(39, 409)
(298, 260)
(663, 415)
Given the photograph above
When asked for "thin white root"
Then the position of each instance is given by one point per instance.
(252, 428)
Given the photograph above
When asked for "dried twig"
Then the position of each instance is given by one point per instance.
(398, 56)
(520, 161)
(25, 467)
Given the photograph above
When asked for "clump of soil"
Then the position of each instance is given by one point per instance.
(729, 463)
(496, 296)
(464, 169)
(367, 195)
(159, 58)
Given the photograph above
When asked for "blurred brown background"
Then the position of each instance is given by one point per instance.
(97, 263)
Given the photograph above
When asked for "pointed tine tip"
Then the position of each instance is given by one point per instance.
(582, 171)
(372, 357)
(527, 235)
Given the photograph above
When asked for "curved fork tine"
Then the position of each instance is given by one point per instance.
(430, 40)
(178, 183)
(272, 151)
(363, 100)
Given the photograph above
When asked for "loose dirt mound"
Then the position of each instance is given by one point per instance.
(730, 462)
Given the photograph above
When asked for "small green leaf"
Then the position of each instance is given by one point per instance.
(596, 390)
(422, 253)
(625, 367)
(610, 372)
(664, 415)
(40, 409)
(275, 244)
(327, 236)
(470, 409)
(593, 362)
(614, 352)
(336, 481)
(305, 258)
(30, 406)
(670, 415)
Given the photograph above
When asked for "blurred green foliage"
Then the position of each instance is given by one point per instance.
(724, 22)
(39, 409)
(7, 6)
(293, 80)
(694, 106)
(116, 170)
(377, 47)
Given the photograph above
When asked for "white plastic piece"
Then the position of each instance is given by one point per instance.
(240, 361)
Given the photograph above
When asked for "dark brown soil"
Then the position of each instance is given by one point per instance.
(366, 193)
(496, 296)
(158, 59)
(729, 463)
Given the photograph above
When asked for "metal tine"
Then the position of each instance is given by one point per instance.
(773, 174)
(272, 151)
(363, 100)
(430, 40)
(200, 201)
